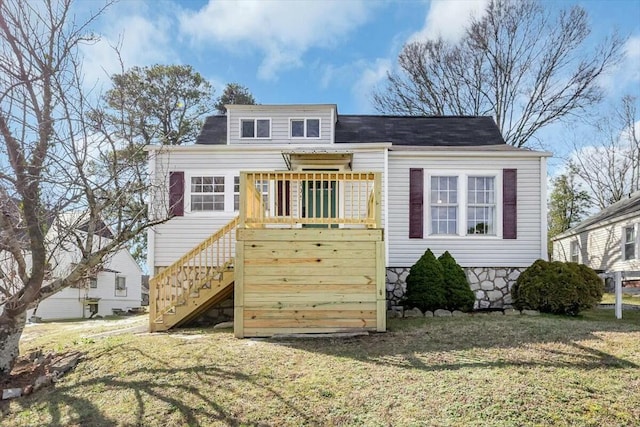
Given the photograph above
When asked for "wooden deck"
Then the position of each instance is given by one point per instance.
(305, 255)
(309, 281)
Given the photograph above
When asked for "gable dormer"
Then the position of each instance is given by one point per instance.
(281, 124)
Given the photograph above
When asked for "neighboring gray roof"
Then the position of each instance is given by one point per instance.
(436, 131)
(627, 206)
(433, 131)
(214, 131)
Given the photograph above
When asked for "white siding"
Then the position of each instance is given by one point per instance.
(280, 123)
(67, 304)
(601, 248)
(472, 251)
(175, 237)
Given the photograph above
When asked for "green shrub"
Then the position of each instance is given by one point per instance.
(557, 287)
(425, 284)
(459, 295)
(592, 285)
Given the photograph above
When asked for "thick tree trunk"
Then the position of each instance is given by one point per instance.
(10, 334)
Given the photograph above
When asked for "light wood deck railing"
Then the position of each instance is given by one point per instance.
(344, 199)
(202, 264)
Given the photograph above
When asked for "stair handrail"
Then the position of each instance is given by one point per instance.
(174, 269)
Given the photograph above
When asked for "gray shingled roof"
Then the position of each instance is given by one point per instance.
(214, 131)
(434, 131)
(621, 208)
(419, 130)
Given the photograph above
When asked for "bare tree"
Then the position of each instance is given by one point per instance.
(516, 62)
(611, 167)
(55, 175)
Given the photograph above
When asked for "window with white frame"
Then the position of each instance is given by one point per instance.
(464, 204)
(255, 128)
(263, 188)
(574, 251)
(121, 283)
(305, 128)
(93, 282)
(236, 193)
(629, 246)
(444, 204)
(481, 205)
(207, 193)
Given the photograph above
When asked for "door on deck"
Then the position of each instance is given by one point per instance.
(320, 200)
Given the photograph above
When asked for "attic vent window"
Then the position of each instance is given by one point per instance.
(305, 128)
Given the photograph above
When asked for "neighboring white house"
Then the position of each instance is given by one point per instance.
(607, 241)
(113, 286)
(448, 183)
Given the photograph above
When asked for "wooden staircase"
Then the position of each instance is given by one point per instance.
(201, 278)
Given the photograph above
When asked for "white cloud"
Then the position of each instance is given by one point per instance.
(142, 39)
(625, 76)
(448, 19)
(370, 78)
(282, 31)
(359, 77)
(632, 58)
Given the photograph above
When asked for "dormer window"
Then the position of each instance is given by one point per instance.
(305, 128)
(255, 128)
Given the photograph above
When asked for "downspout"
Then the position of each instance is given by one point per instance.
(385, 225)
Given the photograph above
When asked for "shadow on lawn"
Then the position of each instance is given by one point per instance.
(549, 341)
(157, 386)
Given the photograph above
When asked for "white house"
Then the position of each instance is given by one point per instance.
(606, 241)
(114, 286)
(445, 183)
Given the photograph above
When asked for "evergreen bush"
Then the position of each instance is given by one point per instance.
(459, 295)
(557, 287)
(425, 284)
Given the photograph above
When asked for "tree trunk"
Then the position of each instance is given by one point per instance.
(10, 334)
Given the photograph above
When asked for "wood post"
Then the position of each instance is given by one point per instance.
(618, 286)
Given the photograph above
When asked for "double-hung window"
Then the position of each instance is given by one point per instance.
(574, 250)
(263, 188)
(444, 204)
(236, 193)
(207, 193)
(481, 205)
(255, 128)
(121, 286)
(305, 128)
(629, 246)
(463, 204)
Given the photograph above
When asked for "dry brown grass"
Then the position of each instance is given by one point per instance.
(480, 370)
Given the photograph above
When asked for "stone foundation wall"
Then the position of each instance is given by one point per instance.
(221, 312)
(491, 285)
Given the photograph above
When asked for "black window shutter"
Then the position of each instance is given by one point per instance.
(416, 198)
(283, 199)
(509, 204)
(176, 193)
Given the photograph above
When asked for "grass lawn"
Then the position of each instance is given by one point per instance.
(479, 370)
(610, 298)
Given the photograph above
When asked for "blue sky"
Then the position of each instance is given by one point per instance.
(313, 51)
